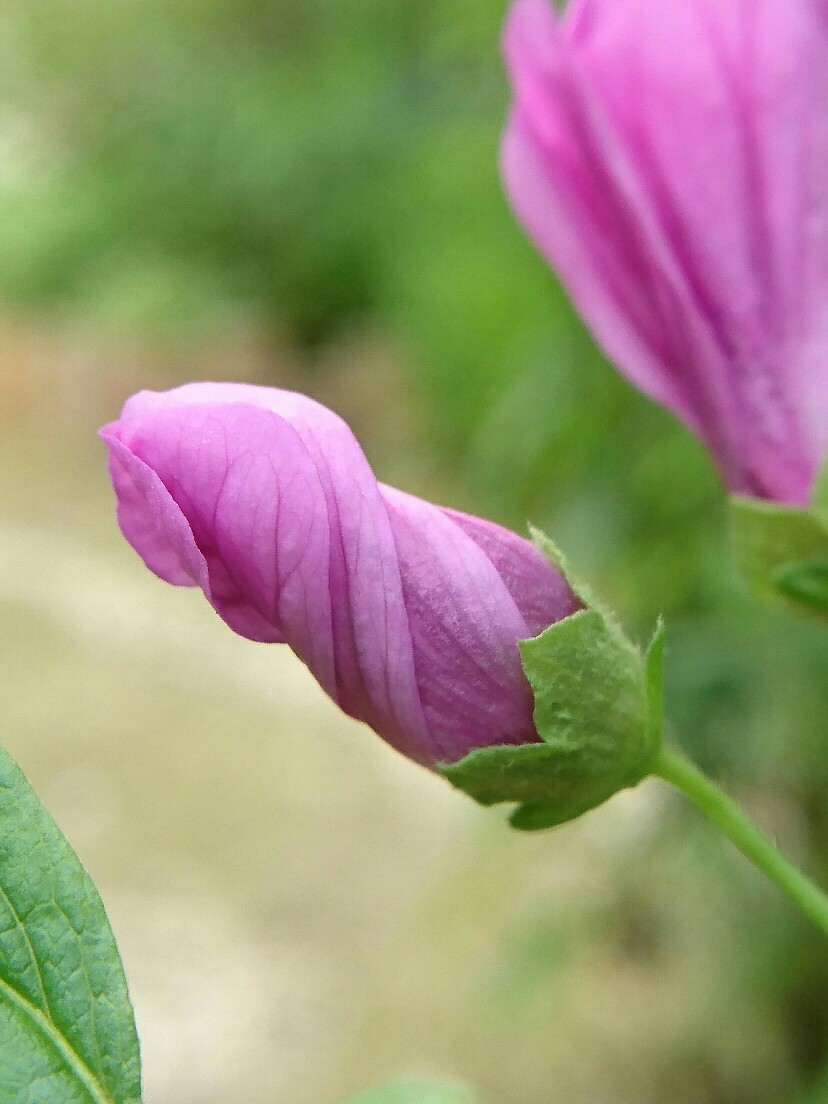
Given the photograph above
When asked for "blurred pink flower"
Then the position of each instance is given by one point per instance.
(408, 614)
(670, 160)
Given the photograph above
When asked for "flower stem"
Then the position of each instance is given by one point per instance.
(676, 769)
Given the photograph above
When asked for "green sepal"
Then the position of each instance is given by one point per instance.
(556, 556)
(782, 551)
(654, 681)
(417, 1092)
(532, 775)
(598, 711)
(805, 583)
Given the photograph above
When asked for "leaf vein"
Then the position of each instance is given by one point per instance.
(31, 950)
(71, 1058)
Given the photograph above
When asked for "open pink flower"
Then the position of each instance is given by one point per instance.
(670, 160)
(408, 614)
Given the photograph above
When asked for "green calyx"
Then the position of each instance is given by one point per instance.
(598, 711)
(782, 551)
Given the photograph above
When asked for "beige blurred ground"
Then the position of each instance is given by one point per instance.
(301, 912)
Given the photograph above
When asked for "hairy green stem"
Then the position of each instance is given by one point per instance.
(676, 769)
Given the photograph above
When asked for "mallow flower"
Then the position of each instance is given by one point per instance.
(408, 614)
(462, 644)
(669, 158)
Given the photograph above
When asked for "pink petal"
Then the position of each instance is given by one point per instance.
(673, 167)
(540, 592)
(409, 615)
(295, 537)
(465, 627)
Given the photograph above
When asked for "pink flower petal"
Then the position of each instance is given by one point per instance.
(673, 167)
(408, 615)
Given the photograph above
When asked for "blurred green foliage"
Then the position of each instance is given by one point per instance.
(320, 167)
(416, 1092)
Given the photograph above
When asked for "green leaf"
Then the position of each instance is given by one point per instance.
(67, 1033)
(782, 551)
(594, 716)
(417, 1092)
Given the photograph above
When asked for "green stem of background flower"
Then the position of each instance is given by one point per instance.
(676, 769)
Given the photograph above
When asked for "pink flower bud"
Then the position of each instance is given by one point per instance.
(670, 160)
(408, 614)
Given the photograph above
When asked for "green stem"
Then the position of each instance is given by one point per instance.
(676, 769)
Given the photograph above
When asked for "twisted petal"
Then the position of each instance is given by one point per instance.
(408, 614)
(673, 167)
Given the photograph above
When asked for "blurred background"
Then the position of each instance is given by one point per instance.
(305, 193)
